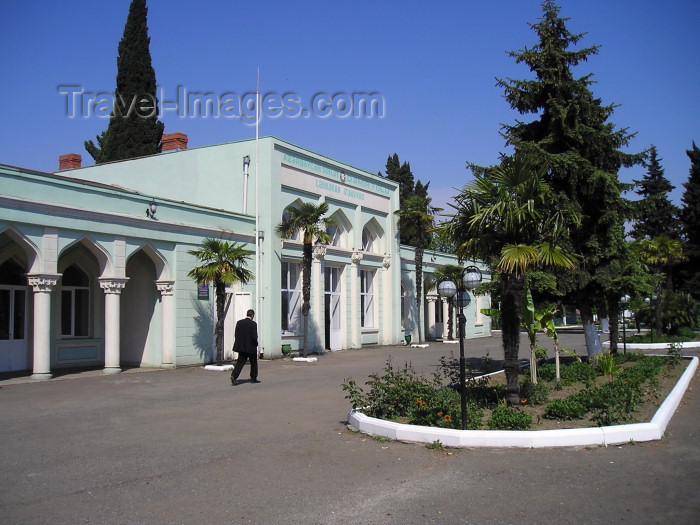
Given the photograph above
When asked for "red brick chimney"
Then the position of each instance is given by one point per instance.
(70, 161)
(173, 141)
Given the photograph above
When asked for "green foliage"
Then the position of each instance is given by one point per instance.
(133, 129)
(535, 393)
(655, 215)
(435, 445)
(690, 220)
(508, 418)
(392, 394)
(606, 364)
(442, 409)
(570, 408)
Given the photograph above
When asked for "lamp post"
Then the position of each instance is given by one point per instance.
(448, 289)
(624, 300)
(650, 302)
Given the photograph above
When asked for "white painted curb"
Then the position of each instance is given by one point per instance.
(218, 368)
(612, 435)
(653, 346)
(305, 359)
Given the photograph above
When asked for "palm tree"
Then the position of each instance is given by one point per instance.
(307, 218)
(416, 222)
(224, 264)
(509, 214)
(659, 253)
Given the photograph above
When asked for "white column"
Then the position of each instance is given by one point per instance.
(431, 315)
(166, 289)
(112, 288)
(316, 342)
(356, 315)
(392, 309)
(42, 286)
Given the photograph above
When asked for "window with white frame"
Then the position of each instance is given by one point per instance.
(367, 240)
(404, 305)
(75, 303)
(335, 233)
(297, 234)
(438, 310)
(367, 298)
(291, 297)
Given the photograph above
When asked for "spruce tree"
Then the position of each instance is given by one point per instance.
(134, 129)
(582, 149)
(654, 213)
(690, 220)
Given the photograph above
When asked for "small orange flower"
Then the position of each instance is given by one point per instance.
(420, 402)
(448, 418)
(439, 414)
(523, 400)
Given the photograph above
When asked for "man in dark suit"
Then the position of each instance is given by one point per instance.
(246, 344)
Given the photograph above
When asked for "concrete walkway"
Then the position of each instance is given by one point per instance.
(183, 446)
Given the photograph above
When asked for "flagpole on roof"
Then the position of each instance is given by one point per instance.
(258, 236)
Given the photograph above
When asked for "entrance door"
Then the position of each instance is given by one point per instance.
(332, 308)
(13, 328)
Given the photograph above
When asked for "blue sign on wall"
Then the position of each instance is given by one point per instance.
(203, 291)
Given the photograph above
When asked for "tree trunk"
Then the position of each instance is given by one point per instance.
(306, 294)
(418, 260)
(450, 317)
(512, 290)
(220, 291)
(614, 314)
(590, 332)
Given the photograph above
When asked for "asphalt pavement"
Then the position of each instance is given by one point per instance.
(183, 446)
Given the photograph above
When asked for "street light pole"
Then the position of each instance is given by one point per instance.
(448, 289)
(624, 299)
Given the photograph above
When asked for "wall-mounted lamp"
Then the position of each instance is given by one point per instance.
(246, 164)
(151, 210)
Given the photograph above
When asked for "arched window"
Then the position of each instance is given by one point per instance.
(336, 234)
(297, 234)
(75, 303)
(367, 240)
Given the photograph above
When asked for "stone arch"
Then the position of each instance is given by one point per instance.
(102, 256)
(159, 261)
(344, 229)
(140, 312)
(14, 245)
(372, 236)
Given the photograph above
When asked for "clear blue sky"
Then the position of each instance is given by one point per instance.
(434, 63)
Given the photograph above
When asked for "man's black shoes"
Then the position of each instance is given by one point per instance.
(254, 381)
(233, 382)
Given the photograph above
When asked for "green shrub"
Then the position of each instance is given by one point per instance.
(534, 394)
(606, 364)
(547, 372)
(507, 418)
(442, 408)
(570, 408)
(576, 372)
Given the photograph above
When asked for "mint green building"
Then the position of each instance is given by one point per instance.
(94, 260)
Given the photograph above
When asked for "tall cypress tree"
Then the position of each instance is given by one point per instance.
(690, 220)
(583, 149)
(134, 129)
(655, 215)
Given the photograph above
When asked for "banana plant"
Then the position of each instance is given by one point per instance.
(539, 321)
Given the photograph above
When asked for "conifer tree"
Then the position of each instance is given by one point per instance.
(133, 129)
(690, 220)
(655, 215)
(582, 148)
(402, 174)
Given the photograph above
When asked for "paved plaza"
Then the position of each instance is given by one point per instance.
(185, 447)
